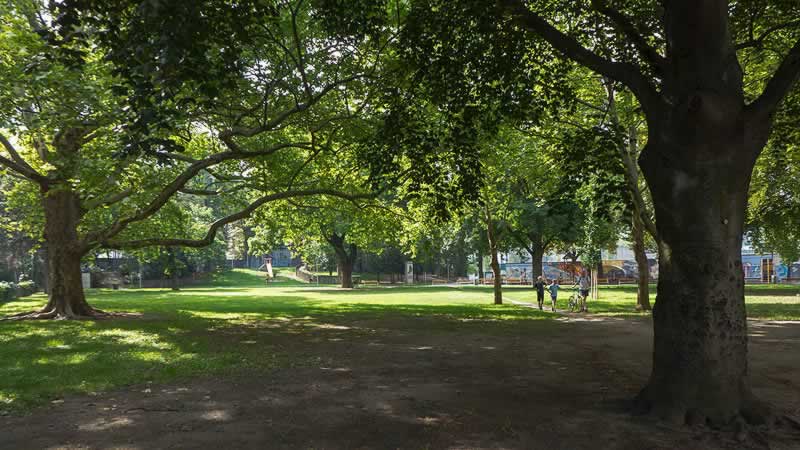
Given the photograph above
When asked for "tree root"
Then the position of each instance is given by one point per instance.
(54, 314)
(751, 413)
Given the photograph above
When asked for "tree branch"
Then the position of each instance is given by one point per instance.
(198, 192)
(631, 172)
(623, 24)
(524, 243)
(109, 199)
(180, 181)
(780, 84)
(19, 165)
(628, 74)
(758, 42)
(300, 59)
(631, 177)
(243, 214)
(226, 135)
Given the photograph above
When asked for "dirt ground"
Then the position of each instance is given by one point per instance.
(394, 383)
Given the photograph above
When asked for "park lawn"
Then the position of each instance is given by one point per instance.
(239, 324)
(765, 302)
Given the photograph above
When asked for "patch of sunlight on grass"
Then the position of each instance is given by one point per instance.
(220, 293)
(233, 318)
(25, 330)
(149, 356)
(55, 343)
(6, 397)
(78, 358)
(132, 337)
(24, 304)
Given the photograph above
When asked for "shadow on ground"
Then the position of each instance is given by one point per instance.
(358, 375)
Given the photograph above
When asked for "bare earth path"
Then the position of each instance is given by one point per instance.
(394, 383)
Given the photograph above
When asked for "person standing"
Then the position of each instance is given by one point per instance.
(584, 283)
(539, 285)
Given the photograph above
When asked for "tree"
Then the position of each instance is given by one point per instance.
(682, 61)
(704, 135)
(774, 204)
(542, 212)
(347, 228)
(108, 137)
(493, 240)
(186, 215)
(626, 124)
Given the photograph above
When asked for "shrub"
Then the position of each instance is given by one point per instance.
(25, 288)
(6, 291)
(10, 291)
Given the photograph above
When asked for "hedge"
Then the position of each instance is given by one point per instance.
(10, 291)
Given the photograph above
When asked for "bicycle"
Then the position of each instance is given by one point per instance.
(576, 300)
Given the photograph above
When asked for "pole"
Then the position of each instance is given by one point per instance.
(773, 279)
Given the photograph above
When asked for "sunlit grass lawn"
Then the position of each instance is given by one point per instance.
(184, 333)
(210, 330)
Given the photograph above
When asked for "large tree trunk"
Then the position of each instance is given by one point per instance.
(246, 251)
(247, 234)
(637, 222)
(642, 266)
(498, 280)
(41, 269)
(598, 269)
(480, 266)
(344, 260)
(66, 299)
(173, 269)
(702, 147)
(537, 254)
(64, 253)
(699, 181)
(346, 273)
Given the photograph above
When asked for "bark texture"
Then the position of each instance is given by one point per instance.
(345, 258)
(173, 264)
(703, 141)
(536, 251)
(642, 266)
(66, 299)
(700, 344)
(480, 266)
(700, 154)
(497, 278)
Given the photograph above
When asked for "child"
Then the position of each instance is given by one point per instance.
(539, 285)
(553, 288)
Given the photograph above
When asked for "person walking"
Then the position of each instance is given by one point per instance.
(553, 288)
(539, 285)
(585, 284)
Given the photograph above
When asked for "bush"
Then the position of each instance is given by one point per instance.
(6, 291)
(10, 291)
(25, 288)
